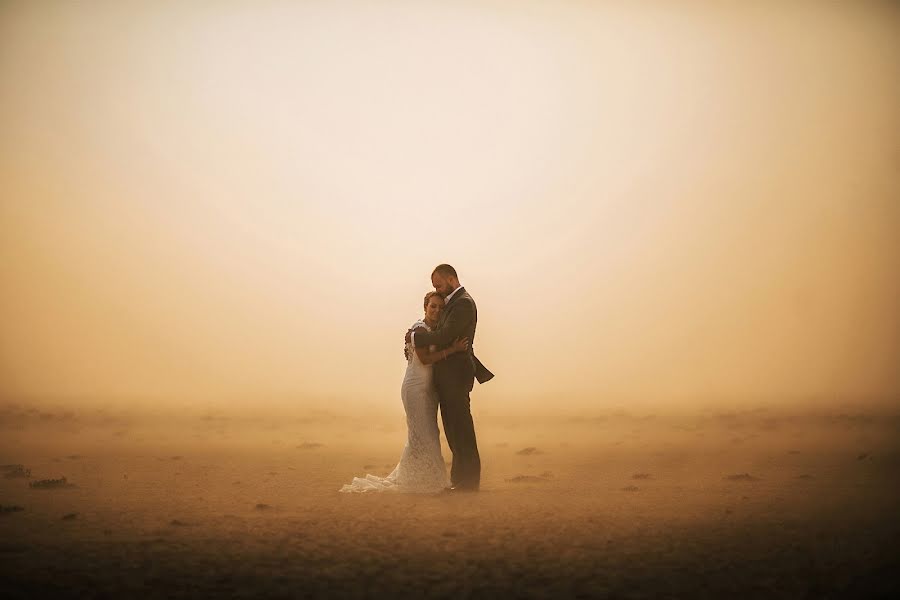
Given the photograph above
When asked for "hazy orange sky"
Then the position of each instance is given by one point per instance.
(242, 202)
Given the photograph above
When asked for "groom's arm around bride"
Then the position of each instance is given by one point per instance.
(459, 321)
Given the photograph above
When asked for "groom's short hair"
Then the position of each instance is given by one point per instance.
(445, 270)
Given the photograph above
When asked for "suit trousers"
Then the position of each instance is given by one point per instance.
(453, 394)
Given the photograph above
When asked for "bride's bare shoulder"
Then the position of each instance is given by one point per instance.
(420, 325)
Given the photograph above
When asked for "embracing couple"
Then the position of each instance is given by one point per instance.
(441, 370)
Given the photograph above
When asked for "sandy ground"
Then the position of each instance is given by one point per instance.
(705, 505)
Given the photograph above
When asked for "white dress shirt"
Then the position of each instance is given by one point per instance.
(450, 295)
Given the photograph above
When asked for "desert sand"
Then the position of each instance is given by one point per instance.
(711, 504)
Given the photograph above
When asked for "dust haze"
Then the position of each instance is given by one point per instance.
(622, 503)
(680, 225)
(677, 207)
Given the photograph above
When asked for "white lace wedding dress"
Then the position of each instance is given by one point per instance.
(421, 467)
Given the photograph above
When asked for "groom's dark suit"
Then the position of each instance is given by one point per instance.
(454, 378)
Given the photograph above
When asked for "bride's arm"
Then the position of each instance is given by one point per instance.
(429, 357)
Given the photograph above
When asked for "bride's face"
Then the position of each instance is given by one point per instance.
(434, 307)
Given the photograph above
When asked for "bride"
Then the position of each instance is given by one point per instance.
(421, 467)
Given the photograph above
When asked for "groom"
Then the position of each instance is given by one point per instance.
(454, 377)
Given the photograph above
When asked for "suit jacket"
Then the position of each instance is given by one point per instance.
(458, 319)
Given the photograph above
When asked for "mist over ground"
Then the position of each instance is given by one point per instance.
(753, 503)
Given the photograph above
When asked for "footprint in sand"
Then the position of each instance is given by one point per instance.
(177, 523)
(529, 451)
(309, 446)
(49, 484)
(12, 471)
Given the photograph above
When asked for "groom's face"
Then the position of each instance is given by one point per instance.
(441, 285)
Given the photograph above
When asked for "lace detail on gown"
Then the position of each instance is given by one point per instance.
(421, 467)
